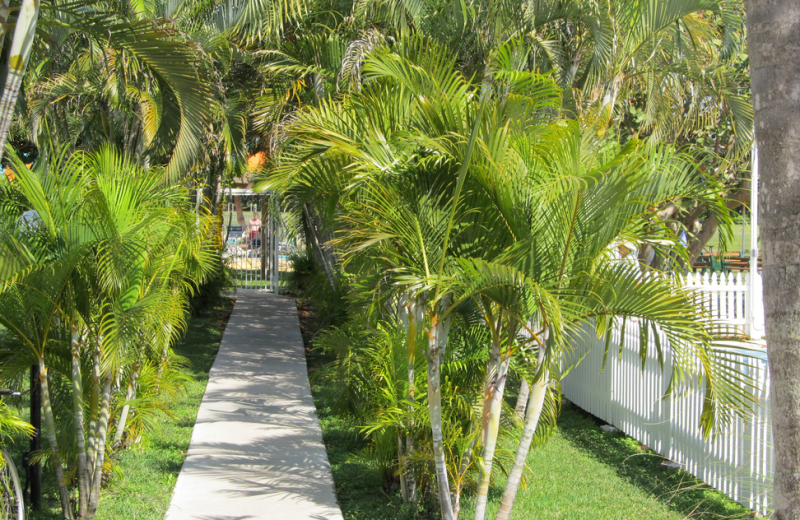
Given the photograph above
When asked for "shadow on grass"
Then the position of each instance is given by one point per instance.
(640, 466)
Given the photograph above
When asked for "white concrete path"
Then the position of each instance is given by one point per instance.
(256, 449)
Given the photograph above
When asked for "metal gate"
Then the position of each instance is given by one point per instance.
(252, 246)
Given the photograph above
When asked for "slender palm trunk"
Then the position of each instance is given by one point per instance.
(491, 372)
(77, 410)
(403, 479)
(522, 398)
(94, 405)
(20, 50)
(535, 405)
(129, 396)
(413, 319)
(435, 410)
(100, 458)
(495, 397)
(52, 438)
(772, 32)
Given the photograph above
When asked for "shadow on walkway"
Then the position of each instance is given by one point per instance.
(256, 449)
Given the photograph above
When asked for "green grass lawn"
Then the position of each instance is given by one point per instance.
(735, 243)
(583, 473)
(580, 473)
(143, 488)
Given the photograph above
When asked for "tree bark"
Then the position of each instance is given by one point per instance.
(773, 28)
(711, 224)
(535, 405)
(94, 405)
(435, 410)
(100, 457)
(494, 395)
(401, 458)
(522, 399)
(52, 438)
(123, 416)
(77, 411)
(20, 50)
(237, 206)
(413, 317)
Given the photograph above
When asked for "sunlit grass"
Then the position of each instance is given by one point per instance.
(580, 473)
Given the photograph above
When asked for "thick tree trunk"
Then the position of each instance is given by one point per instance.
(52, 438)
(535, 405)
(435, 410)
(773, 28)
(237, 206)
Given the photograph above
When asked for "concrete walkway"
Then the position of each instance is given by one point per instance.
(256, 450)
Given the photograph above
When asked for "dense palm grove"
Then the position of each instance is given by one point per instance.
(465, 173)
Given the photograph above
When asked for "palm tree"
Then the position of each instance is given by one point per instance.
(462, 192)
(20, 51)
(770, 29)
(582, 196)
(104, 270)
(113, 75)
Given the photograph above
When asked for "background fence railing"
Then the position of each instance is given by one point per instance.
(727, 298)
(248, 256)
(738, 459)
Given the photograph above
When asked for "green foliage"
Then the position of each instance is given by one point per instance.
(482, 204)
(95, 287)
(308, 280)
(142, 486)
(211, 292)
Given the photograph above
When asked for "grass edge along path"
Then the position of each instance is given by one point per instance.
(145, 491)
(142, 485)
(580, 473)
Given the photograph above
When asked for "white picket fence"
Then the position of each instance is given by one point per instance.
(726, 296)
(738, 459)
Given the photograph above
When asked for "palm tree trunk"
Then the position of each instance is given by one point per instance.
(17, 60)
(94, 404)
(772, 28)
(52, 438)
(522, 398)
(403, 480)
(413, 318)
(535, 405)
(77, 411)
(316, 241)
(435, 410)
(123, 416)
(102, 431)
(491, 371)
(494, 394)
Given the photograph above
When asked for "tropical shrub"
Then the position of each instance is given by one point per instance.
(483, 202)
(98, 260)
